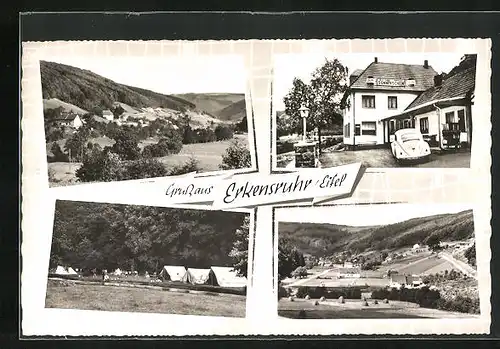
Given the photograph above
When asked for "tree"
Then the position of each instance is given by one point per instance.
(239, 252)
(299, 272)
(433, 242)
(100, 166)
(470, 254)
(323, 96)
(126, 145)
(223, 132)
(192, 165)
(242, 126)
(236, 156)
(144, 168)
(76, 145)
(287, 259)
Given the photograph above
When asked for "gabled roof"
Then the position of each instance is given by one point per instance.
(458, 85)
(175, 272)
(424, 77)
(200, 276)
(228, 277)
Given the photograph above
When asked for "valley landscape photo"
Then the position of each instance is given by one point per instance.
(129, 258)
(98, 129)
(418, 265)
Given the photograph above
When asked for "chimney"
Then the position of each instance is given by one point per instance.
(438, 80)
(375, 60)
(426, 64)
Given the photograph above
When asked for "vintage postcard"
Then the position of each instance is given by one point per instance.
(256, 187)
(382, 261)
(146, 259)
(385, 110)
(122, 117)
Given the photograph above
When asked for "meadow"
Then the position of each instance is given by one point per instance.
(146, 299)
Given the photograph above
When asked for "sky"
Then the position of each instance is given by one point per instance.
(170, 75)
(379, 214)
(288, 66)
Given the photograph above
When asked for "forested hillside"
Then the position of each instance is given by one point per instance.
(88, 90)
(325, 239)
(98, 235)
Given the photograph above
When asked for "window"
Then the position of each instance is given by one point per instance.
(461, 120)
(369, 128)
(368, 101)
(392, 102)
(450, 117)
(424, 125)
(406, 123)
(357, 130)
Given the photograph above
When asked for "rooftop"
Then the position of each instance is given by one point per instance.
(458, 85)
(423, 76)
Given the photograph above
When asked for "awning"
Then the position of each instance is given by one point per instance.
(447, 102)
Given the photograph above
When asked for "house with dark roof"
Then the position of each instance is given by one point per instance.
(68, 119)
(443, 112)
(377, 92)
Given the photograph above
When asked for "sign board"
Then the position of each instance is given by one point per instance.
(390, 82)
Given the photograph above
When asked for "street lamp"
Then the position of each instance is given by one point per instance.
(304, 113)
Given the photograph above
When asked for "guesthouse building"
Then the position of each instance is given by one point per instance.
(377, 92)
(443, 113)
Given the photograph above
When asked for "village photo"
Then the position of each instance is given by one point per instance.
(383, 110)
(126, 258)
(122, 118)
(397, 261)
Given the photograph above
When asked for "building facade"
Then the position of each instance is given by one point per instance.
(380, 91)
(443, 113)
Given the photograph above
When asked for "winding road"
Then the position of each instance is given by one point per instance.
(463, 267)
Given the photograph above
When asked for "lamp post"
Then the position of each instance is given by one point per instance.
(304, 113)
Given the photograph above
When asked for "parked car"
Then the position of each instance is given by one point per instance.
(409, 145)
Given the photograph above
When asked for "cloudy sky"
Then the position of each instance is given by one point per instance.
(371, 214)
(167, 75)
(287, 67)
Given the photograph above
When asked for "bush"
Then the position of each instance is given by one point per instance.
(330, 142)
(192, 165)
(299, 272)
(143, 168)
(57, 154)
(237, 156)
(282, 292)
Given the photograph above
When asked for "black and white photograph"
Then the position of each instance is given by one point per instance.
(384, 110)
(122, 118)
(396, 261)
(126, 258)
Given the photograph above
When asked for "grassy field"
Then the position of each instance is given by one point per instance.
(383, 158)
(353, 309)
(68, 295)
(209, 156)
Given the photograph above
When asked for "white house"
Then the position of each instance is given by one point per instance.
(108, 115)
(377, 92)
(443, 113)
(69, 119)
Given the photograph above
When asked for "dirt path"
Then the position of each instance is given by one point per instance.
(303, 281)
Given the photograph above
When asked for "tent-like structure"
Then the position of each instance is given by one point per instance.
(172, 273)
(61, 271)
(196, 276)
(117, 272)
(71, 271)
(228, 277)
